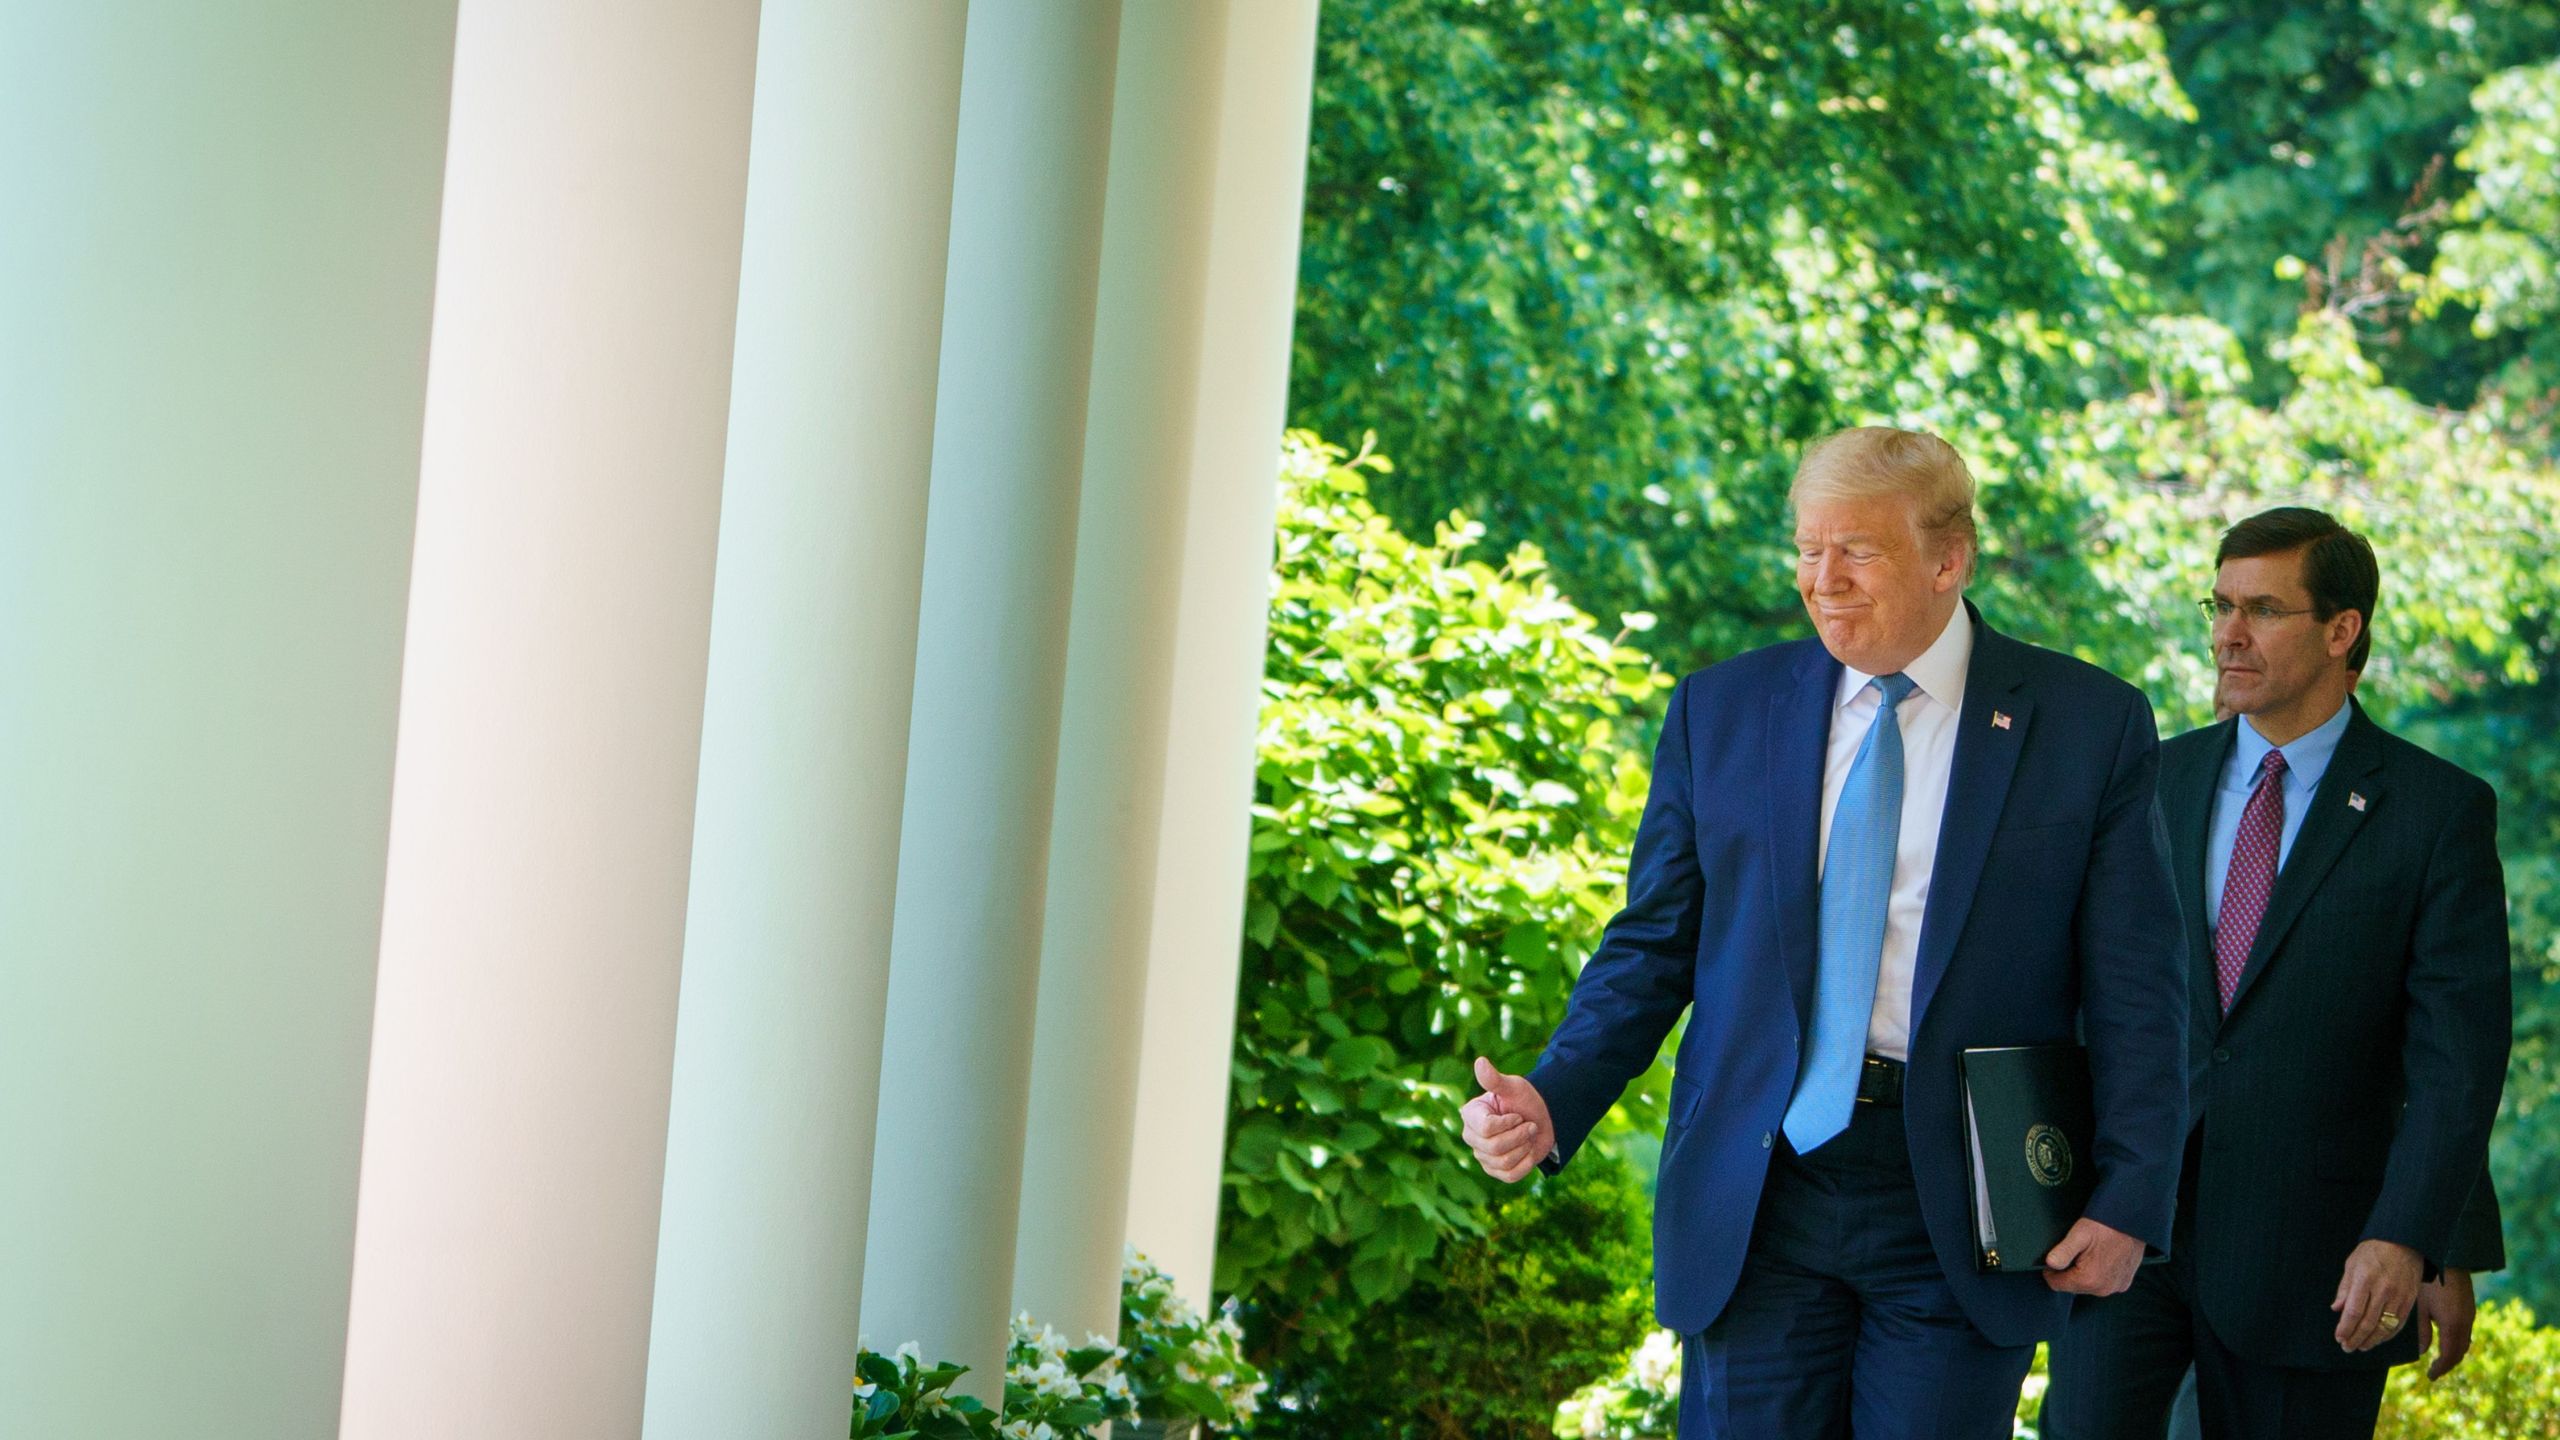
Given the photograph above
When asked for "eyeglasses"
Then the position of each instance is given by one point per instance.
(2218, 611)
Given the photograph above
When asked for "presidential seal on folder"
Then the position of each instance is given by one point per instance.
(2031, 1126)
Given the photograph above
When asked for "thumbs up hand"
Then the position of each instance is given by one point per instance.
(1507, 1126)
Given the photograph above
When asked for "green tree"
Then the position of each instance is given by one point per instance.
(1594, 271)
(2320, 127)
(2109, 561)
(1445, 798)
(2502, 258)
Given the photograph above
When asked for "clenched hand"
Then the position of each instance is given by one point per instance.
(2093, 1259)
(1507, 1126)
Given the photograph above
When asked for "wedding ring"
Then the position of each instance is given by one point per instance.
(2390, 1321)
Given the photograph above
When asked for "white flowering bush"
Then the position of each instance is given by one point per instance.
(1185, 1366)
(1178, 1367)
(901, 1397)
(1053, 1392)
(1640, 1402)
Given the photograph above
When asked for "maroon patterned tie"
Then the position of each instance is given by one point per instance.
(2252, 875)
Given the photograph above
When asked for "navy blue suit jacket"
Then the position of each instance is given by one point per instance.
(2051, 916)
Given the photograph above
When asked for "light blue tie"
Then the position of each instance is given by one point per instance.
(1857, 886)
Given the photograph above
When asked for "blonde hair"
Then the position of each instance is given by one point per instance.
(1871, 460)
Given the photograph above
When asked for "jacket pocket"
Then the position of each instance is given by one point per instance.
(1687, 1096)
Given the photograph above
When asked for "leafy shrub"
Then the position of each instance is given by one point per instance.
(1183, 1366)
(2507, 1389)
(1056, 1392)
(1051, 1392)
(1443, 806)
(1504, 1328)
(902, 1397)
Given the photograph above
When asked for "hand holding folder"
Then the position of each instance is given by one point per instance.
(2032, 1130)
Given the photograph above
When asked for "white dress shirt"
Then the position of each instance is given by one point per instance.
(1929, 714)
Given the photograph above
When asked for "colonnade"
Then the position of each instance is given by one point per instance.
(634, 635)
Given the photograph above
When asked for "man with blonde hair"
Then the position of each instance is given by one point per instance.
(1862, 854)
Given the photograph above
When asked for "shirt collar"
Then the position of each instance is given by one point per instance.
(2305, 760)
(1939, 673)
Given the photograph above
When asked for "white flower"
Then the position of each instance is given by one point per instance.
(911, 1351)
(862, 1389)
(1050, 1378)
(1656, 1363)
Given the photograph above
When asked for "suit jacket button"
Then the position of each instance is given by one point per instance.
(2220, 1054)
(1768, 1138)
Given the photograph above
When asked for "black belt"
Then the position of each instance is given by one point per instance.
(1880, 1082)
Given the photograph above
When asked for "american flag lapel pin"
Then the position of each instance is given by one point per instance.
(2000, 720)
(2355, 799)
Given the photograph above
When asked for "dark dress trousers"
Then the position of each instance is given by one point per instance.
(2346, 1095)
(2049, 918)
(2479, 1246)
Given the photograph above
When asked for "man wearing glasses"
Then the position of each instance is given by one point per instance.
(2348, 1028)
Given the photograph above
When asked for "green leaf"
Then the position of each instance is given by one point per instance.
(875, 1369)
(1262, 918)
(1357, 1056)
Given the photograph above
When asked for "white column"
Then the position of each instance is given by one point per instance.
(217, 255)
(813, 645)
(1026, 221)
(1240, 393)
(550, 719)
(1149, 345)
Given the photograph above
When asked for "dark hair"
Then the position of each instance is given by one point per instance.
(2337, 564)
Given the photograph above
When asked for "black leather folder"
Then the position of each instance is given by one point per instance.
(2033, 1132)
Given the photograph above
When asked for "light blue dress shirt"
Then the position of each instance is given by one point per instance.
(2305, 761)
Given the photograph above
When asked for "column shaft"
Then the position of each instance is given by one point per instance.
(1138, 461)
(1035, 104)
(813, 646)
(550, 720)
(1194, 938)
(217, 258)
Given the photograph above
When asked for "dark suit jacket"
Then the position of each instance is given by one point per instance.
(2348, 1093)
(2049, 911)
(2479, 1239)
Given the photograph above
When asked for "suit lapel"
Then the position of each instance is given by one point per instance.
(2186, 804)
(1799, 739)
(2333, 822)
(1986, 758)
